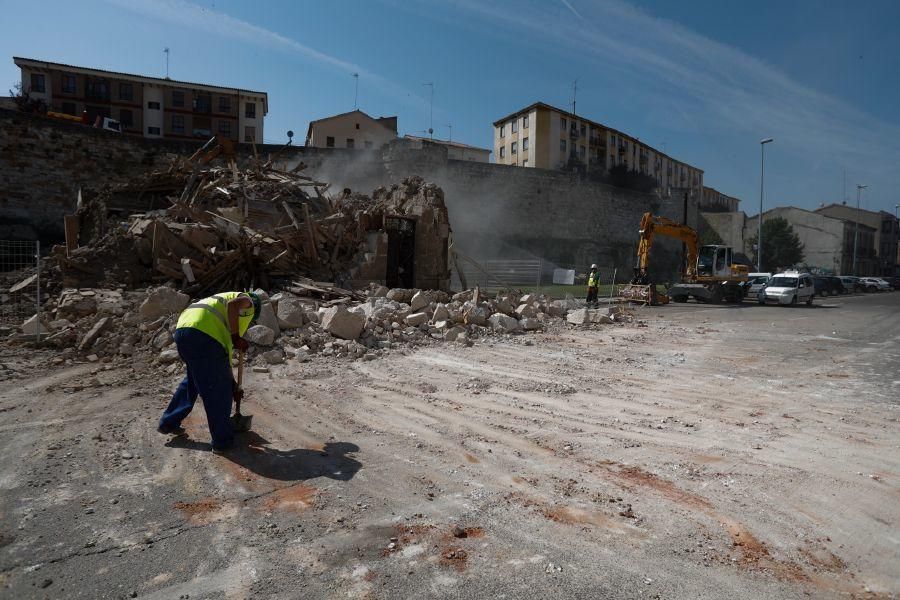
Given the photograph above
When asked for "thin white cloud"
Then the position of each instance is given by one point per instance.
(717, 87)
(187, 14)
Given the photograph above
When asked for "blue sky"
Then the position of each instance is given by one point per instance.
(705, 79)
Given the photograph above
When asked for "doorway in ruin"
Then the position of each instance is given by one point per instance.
(401, 252)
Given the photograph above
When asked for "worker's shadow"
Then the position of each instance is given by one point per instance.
(253, 452)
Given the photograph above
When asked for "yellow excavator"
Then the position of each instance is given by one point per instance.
(710, 273)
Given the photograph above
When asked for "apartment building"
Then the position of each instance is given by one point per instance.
(886, 226)
(547, 137)
(354, 129)
(712, 200)
(151, 107)
(455, 150)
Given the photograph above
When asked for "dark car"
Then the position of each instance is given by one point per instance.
(894, 281)
(822, 286)
(837, 287)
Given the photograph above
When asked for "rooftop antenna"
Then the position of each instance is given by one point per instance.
(430, 110)
(574, 94)
(356, 92)
(167, 61)
(450, 128)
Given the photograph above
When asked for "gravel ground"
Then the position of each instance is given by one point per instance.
(704, 452)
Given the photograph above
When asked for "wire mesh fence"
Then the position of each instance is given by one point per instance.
(20, 283)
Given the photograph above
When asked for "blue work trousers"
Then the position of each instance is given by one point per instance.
(209, 375)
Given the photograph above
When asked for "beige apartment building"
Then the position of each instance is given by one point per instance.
(886, 228)
(455, 150)
(354, 129)
(151, 107)
(547, 137)
(712, 200)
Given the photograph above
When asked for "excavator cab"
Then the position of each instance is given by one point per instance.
(714, 261)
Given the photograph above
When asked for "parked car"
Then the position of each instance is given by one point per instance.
(821, 285)
(894, 281)
(789, 287)
(755, 283)
(874, 284)
(853, 284)
(837, 286)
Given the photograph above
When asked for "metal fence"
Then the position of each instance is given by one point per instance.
(20, 283)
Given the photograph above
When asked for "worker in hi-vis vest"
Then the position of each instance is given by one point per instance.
(593, 286)
(206, 334)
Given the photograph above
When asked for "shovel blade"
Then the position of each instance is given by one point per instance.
(241, 423)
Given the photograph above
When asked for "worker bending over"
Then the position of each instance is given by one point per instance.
(593, 286)
(206, 334)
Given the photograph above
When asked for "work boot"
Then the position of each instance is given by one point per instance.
(170, 429)
(223, 449)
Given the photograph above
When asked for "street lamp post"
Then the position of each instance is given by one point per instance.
(762, 173)
(859, 188)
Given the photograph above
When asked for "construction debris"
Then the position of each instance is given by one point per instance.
(206, 228)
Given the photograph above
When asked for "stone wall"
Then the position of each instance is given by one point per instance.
(495, 211)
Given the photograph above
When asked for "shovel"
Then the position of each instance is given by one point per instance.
(240, 422)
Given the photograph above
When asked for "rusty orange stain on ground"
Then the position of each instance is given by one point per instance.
(295, 498)
(471, 459)
(199, 510)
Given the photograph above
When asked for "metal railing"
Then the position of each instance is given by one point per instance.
(20, 284)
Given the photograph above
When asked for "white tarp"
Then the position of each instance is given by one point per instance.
(564, 276)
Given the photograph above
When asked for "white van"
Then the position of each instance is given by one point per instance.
(789, 288)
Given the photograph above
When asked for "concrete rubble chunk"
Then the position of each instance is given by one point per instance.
(274, 356)
(380, 292)
(74, 305)
(267, 317)
(33, 325)
(475, 315)
(504, 324)
(440, 313)
(527, 299)
(340, 322)
(169, 355)
(452, 334)
(260, 335)
(578, 317)
(163, 301)
(555, 310)
(419, 301)
(530, 324)
(162, 339)
(93, 333)
(290, 312)
(416, 319)
(525, 311)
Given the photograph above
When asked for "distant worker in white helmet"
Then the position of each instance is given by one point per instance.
(593, 286)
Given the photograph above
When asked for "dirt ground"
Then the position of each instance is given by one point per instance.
(708, 452)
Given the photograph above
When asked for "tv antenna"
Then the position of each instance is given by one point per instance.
(574, 94)
(430, 110)
(166, 50)
(450, 129)
(356, 91)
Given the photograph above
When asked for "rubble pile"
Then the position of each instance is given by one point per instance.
(228, 228)
(113, 325)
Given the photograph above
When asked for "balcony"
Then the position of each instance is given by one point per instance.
(203, 105)
(598, 142)
(573, 133)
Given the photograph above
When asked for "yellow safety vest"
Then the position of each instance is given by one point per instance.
(210, 316)
(594, 280)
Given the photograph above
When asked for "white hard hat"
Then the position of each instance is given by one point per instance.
(594, 266)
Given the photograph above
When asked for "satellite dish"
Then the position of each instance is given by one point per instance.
(290, 134)
(430, 131)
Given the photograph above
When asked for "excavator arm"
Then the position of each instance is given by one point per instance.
(655, 225)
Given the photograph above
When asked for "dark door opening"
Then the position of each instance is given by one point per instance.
(401, 252)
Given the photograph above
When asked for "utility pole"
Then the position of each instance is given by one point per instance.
(574, 94)
(430, 110)
(859, 189)
(450, 129)
(167, 61)
(356, 92)
(762, 173)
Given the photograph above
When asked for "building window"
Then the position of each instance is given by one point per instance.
(153, 106)
(583, 130)
(203, 103)
(68, 108)
(357, 125)
(126, 92)
(563, 123)
(177, 124)
(68, 83)
(178, 99)
(502, 151)
(562, 146)
(225, 128)
(581, 152)
(503, 131)
(37, 83)
(525, 122)
(329, 142)
(224, 104)
(514, 127)
(514, 148)
(368, 143)
(126, 118)
(525, 143)
(250, 110)
(153, 131)
(350, 143)
(249, 134)
(96, 89)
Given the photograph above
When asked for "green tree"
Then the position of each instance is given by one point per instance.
(781, 247)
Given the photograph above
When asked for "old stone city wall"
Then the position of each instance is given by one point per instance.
(495, 211)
